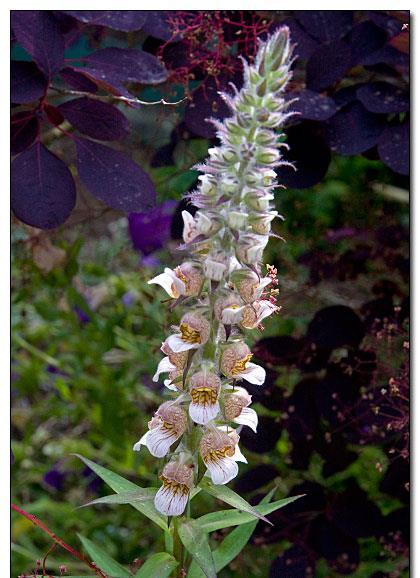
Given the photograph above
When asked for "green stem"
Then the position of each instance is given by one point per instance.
(179, 572)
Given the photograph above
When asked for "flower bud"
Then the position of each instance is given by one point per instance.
(261, 222)
(215, 266)
(237, 220)
(207, 223)
(258, 200)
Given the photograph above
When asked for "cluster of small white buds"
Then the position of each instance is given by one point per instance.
(223, 285)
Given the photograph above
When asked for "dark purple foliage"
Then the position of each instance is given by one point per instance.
(27, 82)
(326, 25)
(387, 55)
(256, 478)
(116, 66)
(364, 39)
(346, 95)
(114, 178)
(305, 44)
(39, 34)
(151, 230)
(24, 130)
(293, 563)
(206, 103)
(125, 20)
(312, 105)
(43, 191)
(354, 130)
(157, 24)
(340, 550)
(77, 80)
(269, 431)
(383, 97)
(310, 155)
(95, 118)
(335, 326)
(391, 25)
(328, 64)
(394, 148)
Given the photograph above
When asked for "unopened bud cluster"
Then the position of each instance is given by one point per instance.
(224, 287)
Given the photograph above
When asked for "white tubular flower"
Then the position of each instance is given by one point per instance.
(207, 224)
(165, 366)
(261, 222)
(220, 452)
(228, 310)
(254, 314)
(165, 428)
(183, 280)
(237, 410)
(177, 481)
(250, 248)
(251, 287)
(258, 200)
(195, 331)
(235, 362)
(214, 266)
(204, 391)
(190, 227)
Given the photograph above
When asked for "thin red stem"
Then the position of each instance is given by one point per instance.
(58, 540)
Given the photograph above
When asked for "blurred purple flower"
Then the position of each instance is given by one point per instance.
(128, 299)
(55, 479)
(151, 230)
(83, 317)
(95, 483)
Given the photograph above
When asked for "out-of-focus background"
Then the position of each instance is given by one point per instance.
(97, 184)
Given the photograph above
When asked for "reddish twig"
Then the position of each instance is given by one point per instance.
(58, 540)
(44, 561)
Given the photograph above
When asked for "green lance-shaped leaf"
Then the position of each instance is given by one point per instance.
(121, 485)
(111, 567)
(236, 540)
(159, 565)
(196, 542)
(140, 495)
(232, 517)
(232, 498)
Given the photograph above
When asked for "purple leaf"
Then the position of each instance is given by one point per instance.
(125, 20)
(383, 98)
(346, 95)
(23, 131)
(305, 44)
(114, 66)
(144, 227)
(309, 153)
(364, 39)
(354, 130)
(312, 105)
(27, 82)
(96, 119)
(157, 25)
(206, 103)
(39, 34)
(388, 55)
(326, 25)
(113, 178)
(394, 148)
(77, 80)
(43, 190)
(391, 25)
(328, 64)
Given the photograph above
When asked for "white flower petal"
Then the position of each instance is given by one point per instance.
(159, 441)
(170, 282)
(142, 442)
(177, 344)
(253, 373)
(238, 456)
(231, 315)
(223, 470)
(190, 230)
(169, 503)
(202, 414)
(164, 366)
(249, 417)
(265, 308)
(168, 383)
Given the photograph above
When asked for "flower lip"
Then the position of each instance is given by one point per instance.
(177, 480)
(220, 452)
(204, 392)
